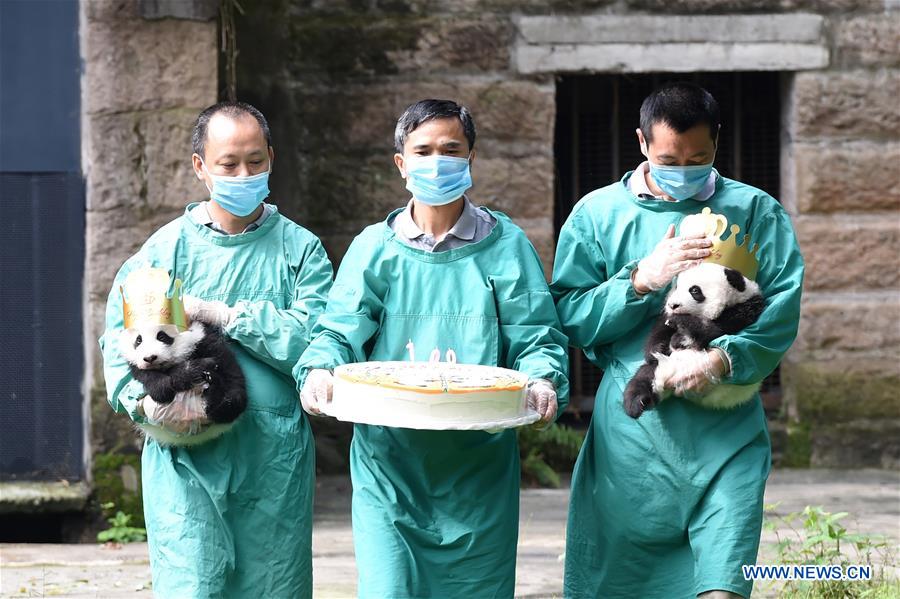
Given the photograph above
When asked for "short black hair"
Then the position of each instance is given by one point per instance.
(229, 109)
(681, 106)
(426, 110)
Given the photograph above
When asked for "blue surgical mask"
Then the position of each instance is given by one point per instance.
(239, 195)
(437, 180)
(680, 182)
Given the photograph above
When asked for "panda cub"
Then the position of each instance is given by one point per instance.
(167, 362)
(707, 301)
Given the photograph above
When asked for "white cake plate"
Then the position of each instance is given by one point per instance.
(398, 420)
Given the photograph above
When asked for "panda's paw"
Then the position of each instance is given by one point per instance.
(208, 364)
(637, 403)
(199, 371)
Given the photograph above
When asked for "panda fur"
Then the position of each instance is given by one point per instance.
(167, 362)
(707, 301)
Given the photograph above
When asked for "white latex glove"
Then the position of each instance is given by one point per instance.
(185, 415)
(671, 256)
(694, 372)
(215, 313)
(541, 397)
(317, 390)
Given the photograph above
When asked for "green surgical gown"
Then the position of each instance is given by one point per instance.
(669, 505)
(233, 517)
(435, 513)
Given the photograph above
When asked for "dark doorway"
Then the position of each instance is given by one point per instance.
(42, 248)
(596, 145)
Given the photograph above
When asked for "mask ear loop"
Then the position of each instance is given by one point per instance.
(203, 164)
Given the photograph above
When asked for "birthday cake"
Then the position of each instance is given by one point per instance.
(430, 395)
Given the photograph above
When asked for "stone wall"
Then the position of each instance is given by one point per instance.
(843, 374)
(149, 67)
(334, 75)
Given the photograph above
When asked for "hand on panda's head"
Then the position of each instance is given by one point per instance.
(671, 256)
(215, 313)
(186, 414)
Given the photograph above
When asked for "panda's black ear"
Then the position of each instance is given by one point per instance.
(736, 279)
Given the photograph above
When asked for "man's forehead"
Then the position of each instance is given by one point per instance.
(227, 126)
(661, 129)
(446, 130)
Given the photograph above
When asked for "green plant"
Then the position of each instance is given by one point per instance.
(546, 453)
(817, 537)
(120, 529)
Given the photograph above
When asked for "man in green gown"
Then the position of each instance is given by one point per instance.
(435, 513)
(669, 505)
(231, 517)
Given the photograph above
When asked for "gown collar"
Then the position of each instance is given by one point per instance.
(217, 238)
(390, 236)
(656, 205)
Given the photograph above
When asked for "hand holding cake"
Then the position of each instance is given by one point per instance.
(316, 390)
(541, 397)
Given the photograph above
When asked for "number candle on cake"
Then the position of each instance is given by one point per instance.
(430, 395)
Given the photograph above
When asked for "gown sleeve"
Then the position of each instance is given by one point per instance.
(531, 337)
(123, 392)
(277, 336)
(756, 351)
(351, 317)
(595, 307)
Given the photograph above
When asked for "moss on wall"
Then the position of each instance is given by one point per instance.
(117, 480)
(797, 448)
(828, 392)
(116, 460)
(350, 44)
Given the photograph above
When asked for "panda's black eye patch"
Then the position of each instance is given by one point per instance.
(138, 340)
(163, 338)
(696, 293)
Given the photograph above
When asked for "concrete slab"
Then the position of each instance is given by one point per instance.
(668, 57)
(653, 29)
(27, 497)
(871, 496)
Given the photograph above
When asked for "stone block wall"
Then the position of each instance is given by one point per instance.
(150, 66)
(843, 131)
(333, 76)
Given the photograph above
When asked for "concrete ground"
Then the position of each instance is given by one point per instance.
(29, 570)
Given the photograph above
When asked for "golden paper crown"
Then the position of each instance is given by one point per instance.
(146, 300)
(725, 253)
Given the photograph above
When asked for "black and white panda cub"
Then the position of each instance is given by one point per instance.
(167, 362)
(707, 301)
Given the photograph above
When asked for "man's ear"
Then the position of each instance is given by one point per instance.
(198, 165)
(642, 143)
(398, 160)
(271, 157)
(471, 158)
